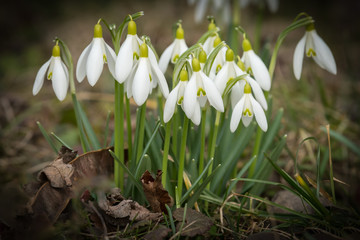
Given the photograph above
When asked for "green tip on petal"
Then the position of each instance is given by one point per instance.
(202, 56)
(310, 27)
(217, 41)
(180, 32)
(56, 51)
(196, 65)
(247, 88)
(184, 75)
(246, 45)
(229, 55)
(144, 50)
(98, 31)
(132, 28)
(241, 65)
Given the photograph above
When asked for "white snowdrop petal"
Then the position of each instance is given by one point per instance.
(190, 97)
(236, 115)
(141, 84)
(165, 57)
(111, 59)
(260, 71)
(124, 60)
(183, 46)
(81, 64)
(259, 114)
(298, 57)
(129, 81)
(40, 76)
(95, 62)
(237, 91)
(222, 77)
(196, 117)
(160, 79)
(323, 53)
(170, 104)
(59, 81)
(259, 95)
(212, 93)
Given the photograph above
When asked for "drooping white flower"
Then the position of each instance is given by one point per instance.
(92, 59)
(231, 70)
(208, 45)
(56, 71)
(255, 66)
(313, 46)
(174, 50)
(219, 60)
(145, 76)
(245, 110)
(200, 89)
(176, 97)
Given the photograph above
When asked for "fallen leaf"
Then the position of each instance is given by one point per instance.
(160, 232)
(195, 222)
(155, 193)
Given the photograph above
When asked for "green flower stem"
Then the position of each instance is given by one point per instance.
(119, 135)
(213, 142)
(182, 155)
(129, 128)
(202, 146)
(140, 141)
(166, 153)
(174, 144)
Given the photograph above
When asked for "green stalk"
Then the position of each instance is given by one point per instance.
(259, 134)
(182, 155)
(140, 141)
(119, 135)
(174, 144)
(213, 142)
(331, 166)
(202, 146)
(129, 129)
(166, 153)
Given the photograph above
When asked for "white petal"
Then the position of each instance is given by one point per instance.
(259, 114)
(183, 46)
(200, 10)
(141, 84)
(260, 71)
(209, 44)
(236, 115)
(95, 62)
(237, 91)
(298, 57)
(81, 64)
(212, 93)
(170, 104)
(190, 97)
(222, 77)
(323, 53)
(111, 59)
(256, 89)
(165, 57)
(160, 78)
(40, 76)
(124, 60)
(196, 117)
(59, 81)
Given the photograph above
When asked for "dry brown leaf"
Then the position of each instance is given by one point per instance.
(195, 223)
(155, 193)
(158, 233)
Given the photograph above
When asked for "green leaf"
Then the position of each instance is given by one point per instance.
(60, 140)
(231, 83)
(210, 59)
(206, 35)
(47, 137)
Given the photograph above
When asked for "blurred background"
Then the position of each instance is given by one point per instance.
(28, 29)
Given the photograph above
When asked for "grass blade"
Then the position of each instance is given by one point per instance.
(47, 137)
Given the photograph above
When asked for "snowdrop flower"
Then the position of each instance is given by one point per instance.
(174, 51)
(315, 47)
(56, 71)
(129, 51)
(219, 60)
(200, 89)
(245, 109)
(92, 59)
(176, 97)
(145, 76)
(208, 45)
(229, 71)
(255, 66)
